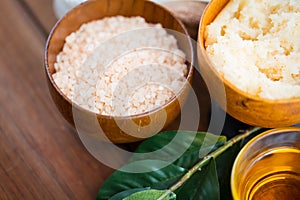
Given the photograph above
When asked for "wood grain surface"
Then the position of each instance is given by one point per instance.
(41, 12)
(41, 156)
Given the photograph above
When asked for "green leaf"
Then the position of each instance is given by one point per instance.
(127, 193)
(156, 178)
(151, 195)
(203, 144)
(190, 146)
(202, 185)
(224, 165)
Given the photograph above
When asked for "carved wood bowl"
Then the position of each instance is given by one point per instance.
(116, 129)
(247, 108)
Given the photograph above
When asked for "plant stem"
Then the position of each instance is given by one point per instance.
(207, 158)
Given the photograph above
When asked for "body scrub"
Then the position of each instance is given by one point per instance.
(255, 45)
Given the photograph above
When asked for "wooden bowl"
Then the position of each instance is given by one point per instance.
(138, 126)
(189, 12)
(247, 108)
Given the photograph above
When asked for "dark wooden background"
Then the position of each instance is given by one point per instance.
(41, 156)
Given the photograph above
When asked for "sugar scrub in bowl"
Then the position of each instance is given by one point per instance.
(122, 68)
(253, 49)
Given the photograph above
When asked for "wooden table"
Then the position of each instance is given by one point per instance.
(41, 156)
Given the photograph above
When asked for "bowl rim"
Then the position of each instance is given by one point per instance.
(248, 145)
(139, 115)
(201, 39)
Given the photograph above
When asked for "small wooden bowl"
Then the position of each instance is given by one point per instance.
(138, 126)
(247, 108)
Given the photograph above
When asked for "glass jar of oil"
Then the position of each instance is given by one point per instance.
(268, 167)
